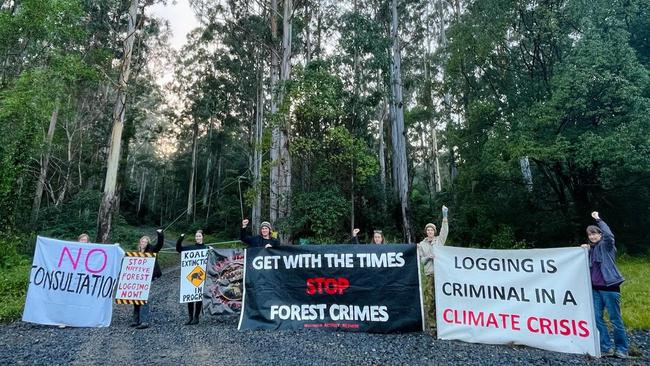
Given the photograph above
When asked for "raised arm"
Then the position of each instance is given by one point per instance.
(179, 243)
(608, 237)
(159, 241)
(243, 233)
(355, 236)
(444, 228)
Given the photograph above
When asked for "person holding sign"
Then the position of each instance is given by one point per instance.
(425, 247)
(264, 239)
(141, 312)
(606, 282)
(377, 237)
(425, 252)
(193, 308)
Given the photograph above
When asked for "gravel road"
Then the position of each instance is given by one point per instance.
(216, 341)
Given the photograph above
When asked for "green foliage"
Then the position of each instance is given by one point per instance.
(318, 215)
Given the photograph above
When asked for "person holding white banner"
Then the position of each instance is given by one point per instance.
(193, 308)
(425, 251)
(606, 282)
(141, 312)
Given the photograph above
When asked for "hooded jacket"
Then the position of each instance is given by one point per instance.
(604, 253)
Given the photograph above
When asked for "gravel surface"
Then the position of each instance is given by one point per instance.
(216, 341)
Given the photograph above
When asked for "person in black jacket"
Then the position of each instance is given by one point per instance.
(377, 237)
(141, 312)
(264, 239)
(193, 308)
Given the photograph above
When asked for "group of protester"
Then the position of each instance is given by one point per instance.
(606, 279)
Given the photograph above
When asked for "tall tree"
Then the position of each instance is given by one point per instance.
(398, 135)
(109, 197)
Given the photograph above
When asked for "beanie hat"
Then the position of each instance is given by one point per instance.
(266, 224)
(430, 225)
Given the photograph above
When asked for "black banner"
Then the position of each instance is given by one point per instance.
(362, 288)
(223, 289)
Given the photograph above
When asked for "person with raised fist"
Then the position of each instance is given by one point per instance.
(264, 239)
(193, 308)
(141, 312)
(606, 282)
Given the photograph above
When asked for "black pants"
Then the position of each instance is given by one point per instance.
(194, 309)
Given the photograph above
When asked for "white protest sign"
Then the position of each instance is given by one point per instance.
(135, 278)
(193, 264)
(72, 283)
(536, 297)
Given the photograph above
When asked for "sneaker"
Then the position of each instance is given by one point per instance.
(609, 353)
(142, 326)
(621, 355)
(195, 321)
(61, 326)
(134, 324)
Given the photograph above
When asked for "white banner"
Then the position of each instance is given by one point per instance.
(135, 278)
(72, 283)
(193, 264)
(537, 297)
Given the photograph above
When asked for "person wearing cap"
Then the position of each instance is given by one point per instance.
(377, 237)
(606, 282)
(425, 247)
(425, 250)
(264, 239)
(193, 308)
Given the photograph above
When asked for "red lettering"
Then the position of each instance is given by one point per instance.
(444, 315)
(330, 286)
(584, 331)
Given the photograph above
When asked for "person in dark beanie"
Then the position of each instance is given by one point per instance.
(606, 282)
(264, 239)
(193, 308)
(377, 237)
(141, 312)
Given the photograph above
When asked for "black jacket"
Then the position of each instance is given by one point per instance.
(155, 249)
(257, 240)
(181, 248)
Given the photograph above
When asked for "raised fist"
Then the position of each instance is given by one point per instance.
(445, 211)
(355, 232)
(244, 222)
(595, 215)
(159, 231)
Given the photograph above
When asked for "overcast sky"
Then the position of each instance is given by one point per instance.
(181, 19)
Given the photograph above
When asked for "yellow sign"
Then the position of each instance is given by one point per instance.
(197, 276)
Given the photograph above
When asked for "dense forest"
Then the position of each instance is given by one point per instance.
(521, 116)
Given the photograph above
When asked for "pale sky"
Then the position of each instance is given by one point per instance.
(181, 19)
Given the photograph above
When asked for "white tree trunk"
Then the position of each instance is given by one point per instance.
(191, 186)
(109, 198)
(275, 131)
(257, 161)
(45, 161)
(397, 131)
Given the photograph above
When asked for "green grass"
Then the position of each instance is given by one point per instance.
(13, 288)
(635, 292)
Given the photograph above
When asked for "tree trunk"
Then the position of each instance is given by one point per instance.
(280, 180)
(275, 132)
(109, 199)
(382, 152)
(208, 168)
(397, 131)
(257, 161)
(284, 204)
(45, 161)
(191, 186)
